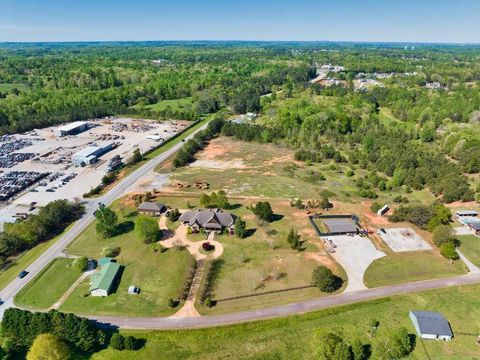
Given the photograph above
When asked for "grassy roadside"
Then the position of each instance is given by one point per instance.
(167, 145)
(470, 248)
(48, 286)
(27, 258)
(411, 266)
(294, 337)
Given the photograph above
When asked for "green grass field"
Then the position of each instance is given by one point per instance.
(7, 87)
(175, 104)
(47, 288)
(410, 266)
(294, 337)
(470, 247)
(387, 118)
(158, 275)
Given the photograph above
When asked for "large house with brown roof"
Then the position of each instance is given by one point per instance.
(209, 220)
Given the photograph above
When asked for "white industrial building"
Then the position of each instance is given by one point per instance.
(90, 154)
(71, 129)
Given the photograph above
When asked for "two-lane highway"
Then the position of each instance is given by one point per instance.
(8, 293)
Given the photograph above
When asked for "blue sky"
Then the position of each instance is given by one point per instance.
(347, 20)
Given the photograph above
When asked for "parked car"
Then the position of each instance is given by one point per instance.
(22, 274)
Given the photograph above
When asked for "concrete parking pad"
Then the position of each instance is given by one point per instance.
(355, 253)
(403, 239)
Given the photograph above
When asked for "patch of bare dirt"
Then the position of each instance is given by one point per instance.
(371, 217)
(456, 204)
(218, 165)
(215, 149)
(282, 159)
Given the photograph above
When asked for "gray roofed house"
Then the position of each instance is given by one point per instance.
(431, 325)
(340, 226)
(210, 220)
(151, 208)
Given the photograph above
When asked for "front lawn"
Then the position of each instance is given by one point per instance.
(411, 266)
(470, 247)
(159, 275)
(49, 286)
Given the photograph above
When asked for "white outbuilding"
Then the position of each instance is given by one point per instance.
(431, 325)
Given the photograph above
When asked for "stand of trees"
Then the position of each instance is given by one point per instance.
(21, 327)
(50, 221)
(186, 154)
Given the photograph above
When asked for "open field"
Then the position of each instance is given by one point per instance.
(411, 266)
(158, 275)
(266, 170)
(175, 104)
(25, 259)
(6, 87)
(294, 337)
(470, 247)
(49, 285)
(387, 118)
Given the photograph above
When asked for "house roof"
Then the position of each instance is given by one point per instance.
(151, 206)
(104, 261)
(340, 225)
(432, 323)
(104, 278)
(475, 225)
(213, 218)
(466, 212)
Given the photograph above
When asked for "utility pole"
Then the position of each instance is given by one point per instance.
(65, 251)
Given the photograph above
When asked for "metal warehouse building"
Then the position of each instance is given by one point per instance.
(71, 129)
(431, 325)
(90, 154)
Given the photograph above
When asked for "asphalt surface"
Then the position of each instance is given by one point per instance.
(170, 323)
(8, 293)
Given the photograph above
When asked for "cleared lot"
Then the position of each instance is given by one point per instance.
(355, 253)
(403, 239)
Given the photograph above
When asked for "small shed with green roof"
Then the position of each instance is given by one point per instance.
(102, 282)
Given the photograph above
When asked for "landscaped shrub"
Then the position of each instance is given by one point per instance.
(325, 280)
(111, 251)
(117, 341)
(447, 249)
(130, 343)
(173, 215)
(207, 246)
(82, 263)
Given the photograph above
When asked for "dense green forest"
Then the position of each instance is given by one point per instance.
(403, 129)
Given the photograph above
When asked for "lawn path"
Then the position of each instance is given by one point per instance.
(64, 297)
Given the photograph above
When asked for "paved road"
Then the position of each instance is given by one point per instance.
(8, 293)
(165, 323)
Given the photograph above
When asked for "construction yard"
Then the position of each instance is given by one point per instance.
(64, 162)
